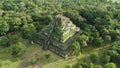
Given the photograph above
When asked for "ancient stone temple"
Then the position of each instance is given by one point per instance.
(59, 35)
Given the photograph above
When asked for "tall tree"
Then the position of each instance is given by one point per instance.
(4, 41)
(4, 27)
(76, 48)
(28, 31)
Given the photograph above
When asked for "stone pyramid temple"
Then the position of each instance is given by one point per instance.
(59, 35)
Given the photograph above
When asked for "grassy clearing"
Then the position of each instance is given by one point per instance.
(8, 63)
(7, 60)
(33, 51)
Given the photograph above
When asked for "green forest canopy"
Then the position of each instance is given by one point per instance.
(99, 20)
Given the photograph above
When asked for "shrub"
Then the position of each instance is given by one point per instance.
(4, 41)
(28, 31)
(110, 65)
(33, 60)
(94, 56)
(13, 38)
(68, 66)
(98, 66)
(47, 56)
(18, 49)
(106, 59)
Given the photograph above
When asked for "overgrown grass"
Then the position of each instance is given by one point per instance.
(33, 51)
(9, 64)
(7, 60)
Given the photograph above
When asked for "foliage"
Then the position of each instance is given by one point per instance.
(106, 59)
(110, 65)
(99, 21)
(94, 56)
(114, 52)
(83, 39)
(28, 31)
(76, 48)
(18, 49)
(98, 66)
(4, 41)
(79, 66)
(33, 61)
(4, 27)
(94, 66)
(84, 65)
(13, 38)
(107, 38)
(68, 66)
(47, 56)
